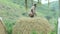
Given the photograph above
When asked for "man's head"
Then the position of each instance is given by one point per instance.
(35, 5)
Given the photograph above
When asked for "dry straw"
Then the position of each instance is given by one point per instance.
(2, 28)
(35, 25)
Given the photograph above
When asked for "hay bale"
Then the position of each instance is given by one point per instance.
(2, 28)
(35, 25)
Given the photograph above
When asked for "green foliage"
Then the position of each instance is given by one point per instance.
(34, 32)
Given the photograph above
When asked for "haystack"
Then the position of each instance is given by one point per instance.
(35, 25)
(2, 28)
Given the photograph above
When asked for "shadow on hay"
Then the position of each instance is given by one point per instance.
(35, 25)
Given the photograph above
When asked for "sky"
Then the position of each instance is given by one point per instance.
(45, 1)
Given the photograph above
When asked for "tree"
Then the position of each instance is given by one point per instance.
(59, 8)
(39, 2)
(48, 5)
(26, 4)
(32, 2)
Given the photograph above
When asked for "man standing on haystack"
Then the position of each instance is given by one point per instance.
(33, 11)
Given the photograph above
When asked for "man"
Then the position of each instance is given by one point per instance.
(32, 12)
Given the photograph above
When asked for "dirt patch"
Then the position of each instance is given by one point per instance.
(35, 25)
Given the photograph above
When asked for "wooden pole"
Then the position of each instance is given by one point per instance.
(58, 26)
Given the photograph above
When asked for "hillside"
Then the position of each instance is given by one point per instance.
(11, 10)
(53, 9)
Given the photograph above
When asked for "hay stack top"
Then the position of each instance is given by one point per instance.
(35, 18)
(27, 25)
